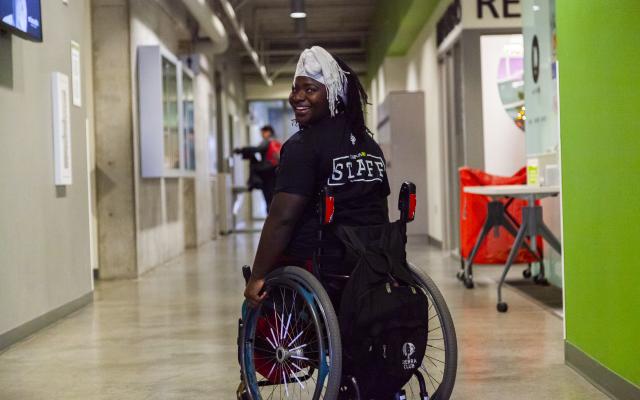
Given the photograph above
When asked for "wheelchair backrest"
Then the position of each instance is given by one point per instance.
(327, 206)
(407, 201)
(406, 204)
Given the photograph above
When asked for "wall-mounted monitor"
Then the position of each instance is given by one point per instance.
(22, 17)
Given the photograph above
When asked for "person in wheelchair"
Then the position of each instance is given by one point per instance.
(333, 148)
(292, 345)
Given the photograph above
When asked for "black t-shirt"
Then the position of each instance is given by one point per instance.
(328, 154)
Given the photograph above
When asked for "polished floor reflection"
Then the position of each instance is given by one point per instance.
(171, 334)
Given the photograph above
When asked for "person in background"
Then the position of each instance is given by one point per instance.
(263, 162)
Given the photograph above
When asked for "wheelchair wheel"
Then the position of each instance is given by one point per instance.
(290, 345)
(440, 362)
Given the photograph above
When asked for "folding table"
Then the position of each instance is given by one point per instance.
(532, 224)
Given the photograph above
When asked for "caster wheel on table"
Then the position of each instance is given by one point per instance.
(526, 273)
(540, 280)
(502, 307)
(468, 283)
(460, 275)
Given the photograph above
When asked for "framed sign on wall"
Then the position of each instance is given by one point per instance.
(61, 116)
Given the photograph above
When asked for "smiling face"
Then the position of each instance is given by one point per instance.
(309, 101)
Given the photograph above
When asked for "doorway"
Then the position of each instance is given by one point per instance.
(450, 74)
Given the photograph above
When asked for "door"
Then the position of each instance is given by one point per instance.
(450, 70)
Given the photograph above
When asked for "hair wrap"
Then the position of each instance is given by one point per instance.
(318, 64)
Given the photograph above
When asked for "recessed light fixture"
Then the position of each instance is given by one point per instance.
(297, 9)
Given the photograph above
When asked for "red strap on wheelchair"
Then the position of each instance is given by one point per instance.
(412, 206)
(329, 209)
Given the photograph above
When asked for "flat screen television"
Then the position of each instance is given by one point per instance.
(22, 17)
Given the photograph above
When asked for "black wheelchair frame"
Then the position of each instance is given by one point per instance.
(317, 307)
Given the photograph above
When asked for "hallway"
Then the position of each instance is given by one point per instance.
(171, 335)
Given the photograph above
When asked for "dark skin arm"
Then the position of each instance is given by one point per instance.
(284, 212)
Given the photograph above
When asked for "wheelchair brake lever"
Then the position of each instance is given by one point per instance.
(246, 273)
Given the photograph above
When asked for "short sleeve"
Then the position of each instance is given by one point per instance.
(297, 169)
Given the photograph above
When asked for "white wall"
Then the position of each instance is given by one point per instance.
(395, 74)
(425, 56)
(418, 70)
(205, 215)
(260, 90)
(234, 104)
(87, 64)
(159, 207)
(45, 259)
(504, 142)
(161, 203)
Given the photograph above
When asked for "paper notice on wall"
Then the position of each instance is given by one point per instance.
(75, 74)
(61, 128)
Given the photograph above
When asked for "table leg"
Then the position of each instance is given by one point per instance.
(509, 226)
(502, 307)
(467, 277)
(547, 235)
(538, 227)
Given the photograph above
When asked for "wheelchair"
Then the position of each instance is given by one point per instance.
(289, 347)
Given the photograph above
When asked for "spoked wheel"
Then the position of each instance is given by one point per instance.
(440, 362)
(290, 345)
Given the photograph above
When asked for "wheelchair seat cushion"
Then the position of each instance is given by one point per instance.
(383, 312)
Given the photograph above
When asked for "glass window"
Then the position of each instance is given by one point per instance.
(170, 115)
(188, 127)
(511, 80)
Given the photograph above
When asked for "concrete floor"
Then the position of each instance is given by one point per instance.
(172, 335)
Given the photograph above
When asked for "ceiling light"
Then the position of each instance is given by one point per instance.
(254, 55)
(297, 9)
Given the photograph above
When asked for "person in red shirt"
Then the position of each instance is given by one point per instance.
(264, 160)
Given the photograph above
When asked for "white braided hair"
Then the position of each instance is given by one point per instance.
(316, 63)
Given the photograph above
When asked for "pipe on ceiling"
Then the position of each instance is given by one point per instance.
(231, 14)
(210, 25)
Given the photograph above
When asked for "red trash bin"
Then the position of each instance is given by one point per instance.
(473, 213)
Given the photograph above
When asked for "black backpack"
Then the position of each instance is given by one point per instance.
(383, 313)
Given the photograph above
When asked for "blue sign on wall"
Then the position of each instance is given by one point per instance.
(22, 17)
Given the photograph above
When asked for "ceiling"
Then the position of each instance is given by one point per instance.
(340, 26)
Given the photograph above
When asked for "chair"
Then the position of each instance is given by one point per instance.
(290, 345)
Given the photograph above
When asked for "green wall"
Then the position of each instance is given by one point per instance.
(599, 57)
(396, 24)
